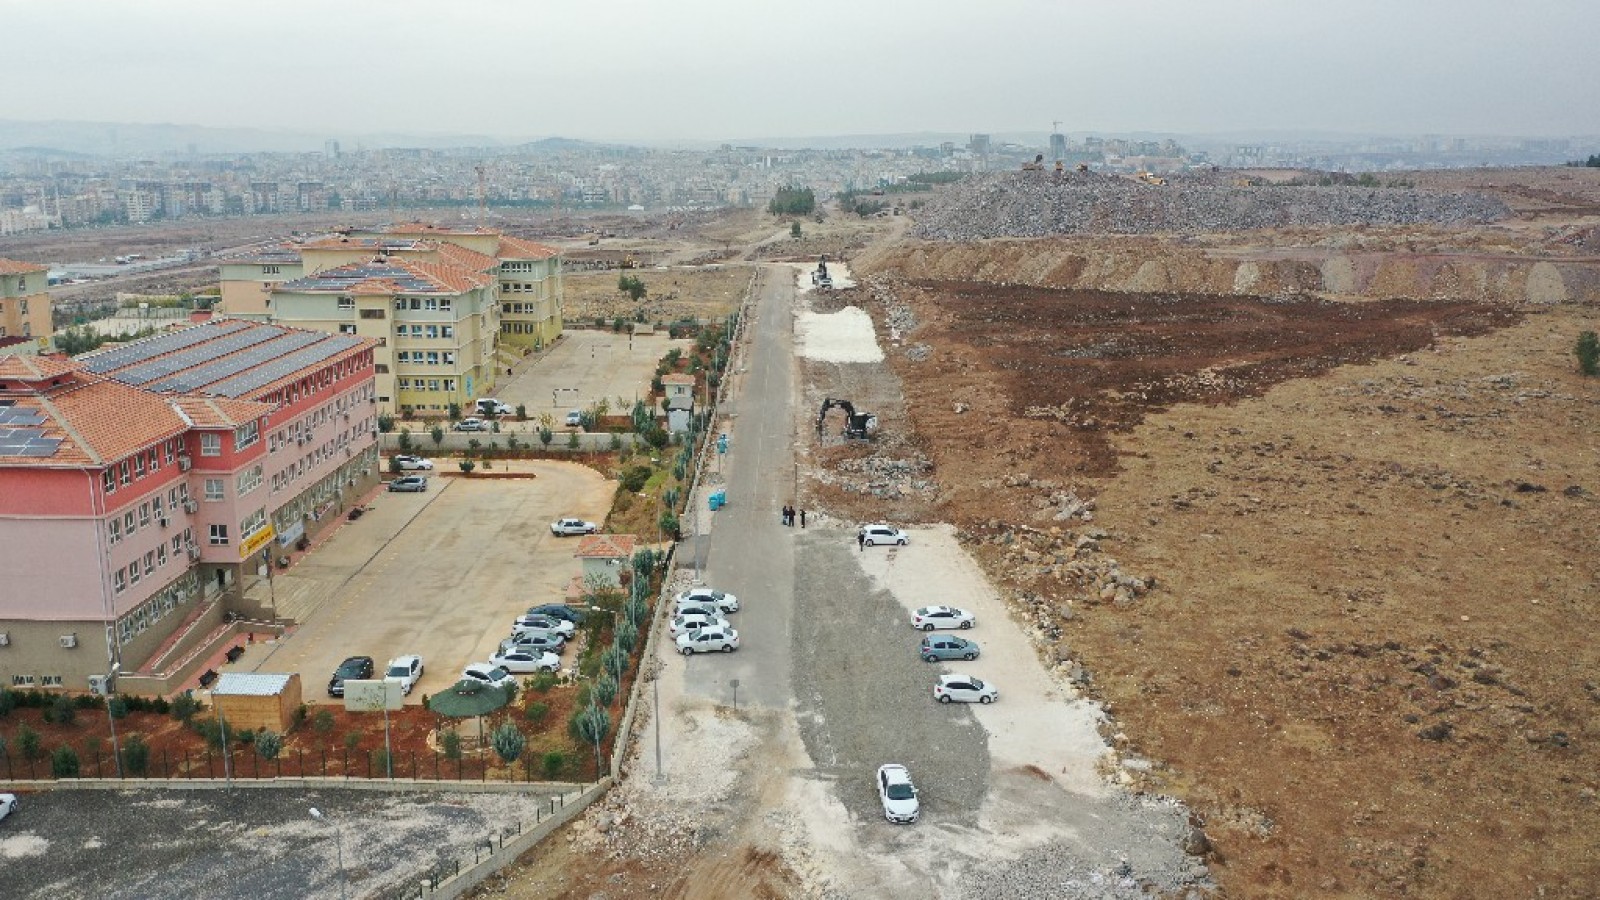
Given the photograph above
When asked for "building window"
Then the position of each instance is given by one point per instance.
(167, 450)
(249, 480)
(138, 466)
(450, 384)
(156, 507)
(161, 554)
(347, 328)
(114, 530)
(126, 471)
(269, 270)
(210, 444)
(144, 514)
(133, 572)
(127, 522)
(108, 480)
(253, 523)
(246, 435)
(177, 544)
(149, 562)
(347, 303)
(448, 331)
(372, 314)
(50, 681)
(219, 535)
(22, 681)
(213, 489)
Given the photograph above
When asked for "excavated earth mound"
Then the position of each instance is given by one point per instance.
(1036, 204)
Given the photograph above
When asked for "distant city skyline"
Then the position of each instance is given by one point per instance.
(716, 70)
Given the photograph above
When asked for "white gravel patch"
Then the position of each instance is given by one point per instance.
(23, 846)
(846, 336)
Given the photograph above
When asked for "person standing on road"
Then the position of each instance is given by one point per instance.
(802, 518)
(783, 516)
(861, 541)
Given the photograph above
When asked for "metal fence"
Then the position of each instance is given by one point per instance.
(321, 762)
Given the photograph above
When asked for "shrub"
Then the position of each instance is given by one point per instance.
(450, 743)
(455, 411)
(62, 711)
(572, 440)
(507, 741)
(616, 441)
(136, 756)
(184, 706)
(405, 440)
(322, 723)
(669, 524)
(269, 744)
(299, 715)
(543, 681)
(536, 712)
(27, 742)
(351, 739)
(437, 433)
(467, 465)
(394, 466)
(64, 762)
(546, 436)
(635, 478)
(1588, 352)
(247, 737)
(552, 763)
(522, 412)
(381, 762)
(8, 702)
(117, 707)
(385, 423)
(213, 730)
(615, 661)
(627, 634)
(605, 690)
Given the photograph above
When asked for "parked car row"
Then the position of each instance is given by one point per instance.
(699, 624)
(896, 791)
(403, 670)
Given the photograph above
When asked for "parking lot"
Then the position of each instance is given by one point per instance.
(585, 367)
(440, 573)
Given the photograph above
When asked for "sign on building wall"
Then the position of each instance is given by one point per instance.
(255, 541)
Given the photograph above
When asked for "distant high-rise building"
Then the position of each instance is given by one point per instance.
(330, 149)
(979, 144)
(1058, 146)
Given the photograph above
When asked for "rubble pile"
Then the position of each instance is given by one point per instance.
(884, 477)
(1034, 204)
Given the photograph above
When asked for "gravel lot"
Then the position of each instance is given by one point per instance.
(252, 842)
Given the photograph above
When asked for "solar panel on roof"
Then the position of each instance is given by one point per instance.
(15, 415)
(180, 365)
(249, 358)
(151, 347)
(26, 442)
(284, 366)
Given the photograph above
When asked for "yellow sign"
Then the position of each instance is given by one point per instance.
(256, 541)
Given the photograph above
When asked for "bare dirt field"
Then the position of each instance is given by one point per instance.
(709, 292)
(1330, 565)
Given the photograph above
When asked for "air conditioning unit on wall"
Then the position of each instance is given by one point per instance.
(69, 641)
(5, 639)
(184, 463)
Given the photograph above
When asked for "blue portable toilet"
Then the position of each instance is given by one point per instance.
(719, 499)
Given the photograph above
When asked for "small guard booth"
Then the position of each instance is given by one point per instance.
(257, 700)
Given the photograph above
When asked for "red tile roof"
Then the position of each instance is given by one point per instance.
(605, 546)
(101, 421)
(455, 278)
(35, 368)
(470, 260)
(14, 267)
(434, 228)
(219, 412)
(517, 248)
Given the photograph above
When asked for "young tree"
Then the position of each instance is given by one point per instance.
(64, 762)
(507, 741)
(794, 229)
(268, 744)
(1588, 352)
(437, 433)
(405, 440)
(592, 724)
(136, 756)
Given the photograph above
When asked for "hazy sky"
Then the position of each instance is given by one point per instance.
(724, 69)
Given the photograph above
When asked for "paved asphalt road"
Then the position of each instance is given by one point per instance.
(751, 554)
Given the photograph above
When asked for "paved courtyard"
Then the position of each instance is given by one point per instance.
(440, 573)
(584, 367)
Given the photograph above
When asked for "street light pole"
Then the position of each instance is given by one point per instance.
(338, 846)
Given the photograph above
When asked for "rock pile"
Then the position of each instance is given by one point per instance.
(1030, 204)
(884, 477)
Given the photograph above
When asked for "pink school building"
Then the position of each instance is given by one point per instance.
(144, 488)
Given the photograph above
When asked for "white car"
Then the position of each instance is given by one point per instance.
(726, 602)
(537, 622)
(964, 689)
(524, 662)
(574, 419)
(706, 640)
(8, 804)
(561, 527)
(930, 617)
(488, 406)
(688, 622)
(413, 463)
(487, 673)
(405, 670)
(898, 794)
(873, 535)
(473, 424)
